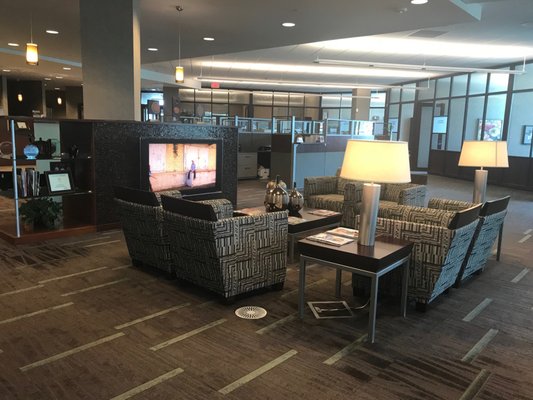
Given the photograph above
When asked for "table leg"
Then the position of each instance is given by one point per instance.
(291, 248)
(500, 236)
(338, 283)
(301, 288)
(405, 286)
(373, 306)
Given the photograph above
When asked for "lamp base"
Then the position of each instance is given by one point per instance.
(369, 214)
(480, 185)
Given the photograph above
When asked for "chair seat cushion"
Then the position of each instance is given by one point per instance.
(333, 202)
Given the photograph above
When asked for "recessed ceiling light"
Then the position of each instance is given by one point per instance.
(153, 90)
(47, 79)
(56, 88)
(52, 32)
(6, 70)
(67, 68)
(209, 39)
(59, 77)
(419, 1)
(13, 44)
(152, 49)
(288, 24)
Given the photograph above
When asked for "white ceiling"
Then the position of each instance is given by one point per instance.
(250, 31)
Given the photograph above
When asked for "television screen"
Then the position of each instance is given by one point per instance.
(192, 166)
(440, 124)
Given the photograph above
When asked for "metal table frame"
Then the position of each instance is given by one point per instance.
(374, 276)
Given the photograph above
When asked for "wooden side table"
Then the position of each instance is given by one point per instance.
(372, 261)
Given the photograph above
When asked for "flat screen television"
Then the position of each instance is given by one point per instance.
(440, 125)
(191, 166)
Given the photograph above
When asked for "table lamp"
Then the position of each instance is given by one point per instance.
(482, 154)
(374, 161)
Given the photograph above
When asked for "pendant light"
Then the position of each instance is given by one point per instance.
(19, 97)
(179, 74)
(32, 54)
(59, 100)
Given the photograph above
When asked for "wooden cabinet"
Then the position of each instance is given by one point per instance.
(24, 188)
(247, 165)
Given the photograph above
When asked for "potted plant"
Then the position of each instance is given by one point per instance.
(41, 212)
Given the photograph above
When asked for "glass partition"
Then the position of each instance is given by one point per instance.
(459, 85)
(474, 116)
(520, 125)
(455, 124)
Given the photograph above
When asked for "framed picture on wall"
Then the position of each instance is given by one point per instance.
(492, 130)
(528, 132)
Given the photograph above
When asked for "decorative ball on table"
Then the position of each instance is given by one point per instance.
(296, 201)
(276, 198)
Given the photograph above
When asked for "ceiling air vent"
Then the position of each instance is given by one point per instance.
(427, 33)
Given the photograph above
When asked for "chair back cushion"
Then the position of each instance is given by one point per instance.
(494, 206)
(136, 196)
(188, 208)
(465, 217)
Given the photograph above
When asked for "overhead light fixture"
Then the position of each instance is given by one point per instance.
(419, 2)
(32, 54)
(6, 70)
(316, 69)
(322, 85)
(59, 100)
(19, 97)
(13, 44)
(59, 77)
(56, 88)
(422, 67)
(179, 73)
(209, 39)
(386, 44)
(47, 79)
(288, 24)
(52, 32)
(152, 49)
(67, 68)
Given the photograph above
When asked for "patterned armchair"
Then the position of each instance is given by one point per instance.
(441, 240)
(226, 254)
(345, 196)
(141, 217)
(492, 215)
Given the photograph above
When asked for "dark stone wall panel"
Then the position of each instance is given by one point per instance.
(117, 157)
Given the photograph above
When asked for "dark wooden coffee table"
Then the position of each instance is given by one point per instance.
(311, 223)
(372, 261)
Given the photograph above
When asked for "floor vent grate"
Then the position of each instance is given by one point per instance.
(251, 312)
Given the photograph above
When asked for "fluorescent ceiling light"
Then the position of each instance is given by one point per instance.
(418, 67)
(52, 32)
(419, 1)
(152, 49)
(13, 44)
(209, 39)
(47, 79)
(288, 24)
(319, 70)
(6, 70)
(266, 82)
(59, 77)
(67, 68)
(391, 45)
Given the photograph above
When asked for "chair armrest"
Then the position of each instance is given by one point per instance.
(222, 207)
(319, 185)
(353, 192)
(414, 195)
(449, 205)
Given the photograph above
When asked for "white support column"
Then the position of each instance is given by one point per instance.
(111, 63)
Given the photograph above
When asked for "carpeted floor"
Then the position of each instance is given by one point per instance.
(77, 321)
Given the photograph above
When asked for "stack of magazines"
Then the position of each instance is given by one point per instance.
(336, 237)
(28, 182)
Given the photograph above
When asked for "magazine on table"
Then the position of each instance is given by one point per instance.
(344, 232)
(324, 213)
(326, 238)
(295, 220)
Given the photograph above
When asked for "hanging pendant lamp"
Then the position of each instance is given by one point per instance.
(179, 73)
(32, 54)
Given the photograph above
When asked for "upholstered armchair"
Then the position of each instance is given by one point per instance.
(441, 241)
(226, 254)
(141, 217)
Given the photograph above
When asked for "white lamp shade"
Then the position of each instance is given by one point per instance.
(32, 54)
(179, 74)
(376, 161)
(477, 153)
